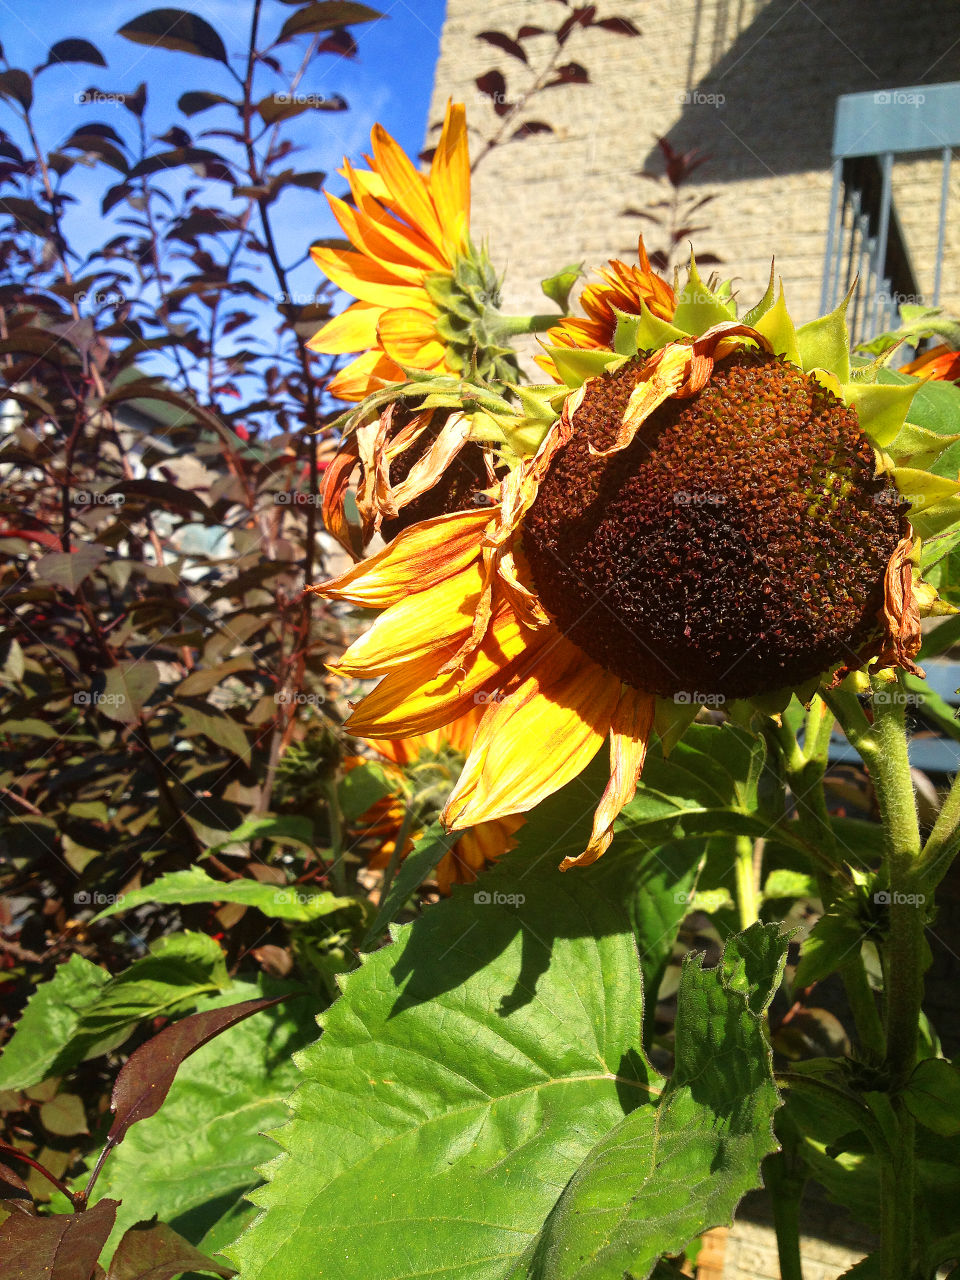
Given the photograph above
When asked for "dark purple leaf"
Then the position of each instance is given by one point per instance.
(154, 1251)
(325, 15)
(530, 127)
(503, 42)
(17, 84)
(569, 73)
(524, 32)
(145, 1078)
(173, 159)
(74, 51)
(340, 42)
(176, 29)
(65, 1246)
(197, 100)
(579, 18)
(620, 26)
(494, 86)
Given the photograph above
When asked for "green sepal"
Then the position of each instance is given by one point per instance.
(652, 333)
(576, 365)
(625, 335)
(871, 370)
(448, 295)
(937, 518)
(777, 327)
(919, 446)
(699, 308)
(922, 489)
(881, 408)
(557, 288)
(671, 720)
(918, 322)
(825, 343)
(763, 306)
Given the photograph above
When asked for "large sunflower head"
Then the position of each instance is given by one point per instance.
(723, 509)
(426, 297)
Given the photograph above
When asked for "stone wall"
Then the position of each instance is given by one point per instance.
(752, 83)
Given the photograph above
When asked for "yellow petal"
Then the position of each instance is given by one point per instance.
(365, 181)
(408, 188)
(534, 740)
(629, 735)
(408, 336)
(406, 237)
(414, 699)
(365, 279)
(450, 177)
(369, 372)
(353, 330)
(394, 253)
(423, 623)
(417, 558)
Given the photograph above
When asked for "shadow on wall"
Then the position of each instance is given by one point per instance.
(766, 106)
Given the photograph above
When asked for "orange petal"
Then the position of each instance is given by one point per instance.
(352, 330)
(395, 252)
(376, 208)
(336, 482)
(369, 372)
(366, 279)
(537, 737)
(450, 177)
(409, 336)
(414, 699)
(629, 735)
(417, 558)
(408, 188)
(422, 624)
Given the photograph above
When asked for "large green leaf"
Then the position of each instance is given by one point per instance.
(669, 1170)
(193, 1160)
(293, 902)
(77, 1015)
(468, 1071)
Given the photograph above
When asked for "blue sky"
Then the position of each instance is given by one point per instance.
(390, 81)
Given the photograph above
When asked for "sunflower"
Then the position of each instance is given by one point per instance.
(625, 289)
(426, 297)
(722, 511)
(433, 758)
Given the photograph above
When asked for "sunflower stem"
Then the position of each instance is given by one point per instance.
(747, 902)
(943, 843)
(525, 324)
(785, 1190)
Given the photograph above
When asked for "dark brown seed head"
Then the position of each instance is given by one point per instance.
(736, 547)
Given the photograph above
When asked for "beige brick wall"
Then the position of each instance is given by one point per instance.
(778, 66)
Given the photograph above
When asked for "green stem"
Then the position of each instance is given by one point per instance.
(747, 903)
(395, 857)
(526, 324)
(897, 1199)
(785, 1190)
(338, 869)
(943, 843)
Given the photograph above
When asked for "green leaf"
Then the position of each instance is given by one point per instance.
(361, 788)
(220, 728)
(128, 687)
(932, 1096)
(48, 1022)
(480, 1059)
(669, 1171)
(295, 902)
(69, 569)
(942, 637)
(175, 29)
(557, 287)
(834, 939)
(415, 868)
(192, 1161)
(284, 828)
(76, 1015)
